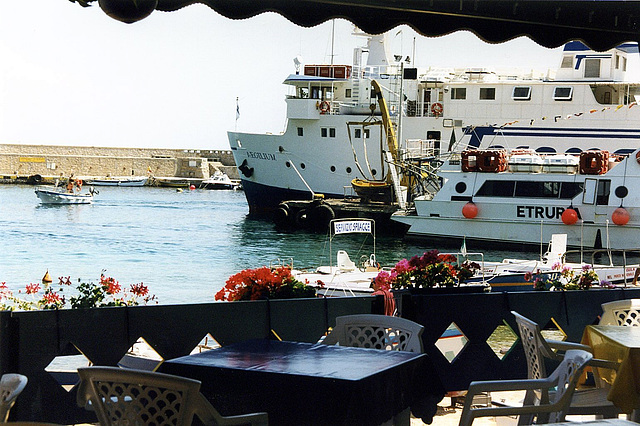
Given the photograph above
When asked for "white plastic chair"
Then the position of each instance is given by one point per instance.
(11, 385)
(537, 348)
(343, 261)
(376, 332)
(621, 312)
(126, 396)
(556, 392)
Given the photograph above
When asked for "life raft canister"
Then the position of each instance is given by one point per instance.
(594, 162)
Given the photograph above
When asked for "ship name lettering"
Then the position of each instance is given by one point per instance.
(261, 155)
(539, 212)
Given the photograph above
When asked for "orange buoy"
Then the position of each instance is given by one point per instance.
(470, 210)
(47, 278)
(569, 216)
(620, 216)
(192, 187)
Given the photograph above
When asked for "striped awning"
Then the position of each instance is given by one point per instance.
(601, 24)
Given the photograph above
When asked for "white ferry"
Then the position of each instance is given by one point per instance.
(331, 138)
(525, 197)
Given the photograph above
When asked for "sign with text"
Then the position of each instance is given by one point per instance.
(352, 226)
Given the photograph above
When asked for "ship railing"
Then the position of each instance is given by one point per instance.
(595, 256)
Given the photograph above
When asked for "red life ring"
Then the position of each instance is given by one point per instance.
(324, 107)
(436, 109)
(638, 157)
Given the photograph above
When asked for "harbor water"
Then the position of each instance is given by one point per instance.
(182, 245)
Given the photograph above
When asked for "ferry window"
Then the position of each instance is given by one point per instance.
(332, 132)
(562, 93)
(617, 61)
(521, 93)
(347, 93)
(357, 133)
(546, 150)
(567, 62)
(529, 189)
(573, 150)
(569, 190)
(496, 188)
(459, 93)
(602, 194)
(300, 131)
(624, 64)
(323, 132)
(366, 133)
(592, 68)
(304, 92)
(488, 93)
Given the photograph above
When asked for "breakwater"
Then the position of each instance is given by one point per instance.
(19, 162)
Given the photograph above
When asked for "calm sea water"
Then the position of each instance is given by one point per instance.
(182, 245)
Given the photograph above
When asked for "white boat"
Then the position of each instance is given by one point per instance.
(589, 101)
(57, 195)
(118, 181)
(219, 180)
(482, 199)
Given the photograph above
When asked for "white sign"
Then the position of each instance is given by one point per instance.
(352, 226)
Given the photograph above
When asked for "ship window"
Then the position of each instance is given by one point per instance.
(496, 188)
(562, 93)
(521, 93)
(366, 133)
(349, 170)
(570, 189)
(546, 150)
(347, 93)
(567, 62)
(617, 61)
(592, 68)
(323, 132)
(604, 189)
(527, 189)
(302, 166)
(488, 93)
(459, 93)
(332, 132)
(333, 168)
(573, 150)
(357, 133)
(624, 64)
(300, 131)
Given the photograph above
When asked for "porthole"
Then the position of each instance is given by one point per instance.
(374, 172)
(461, 187)
(302, 166)
(349, 170)
(622, 191)
(333, 168)
(288, 164)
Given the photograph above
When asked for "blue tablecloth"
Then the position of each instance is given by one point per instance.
(302, 383)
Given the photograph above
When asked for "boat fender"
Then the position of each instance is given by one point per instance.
(302, 218)
(569, 216)
(436, 109)
(282, 215)
(470, 210)
(324, 107)
(322, 214)
(620, 216)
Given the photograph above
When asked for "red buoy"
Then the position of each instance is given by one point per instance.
(569, 216)
(470, 210)
(620, 216)
(192, 187)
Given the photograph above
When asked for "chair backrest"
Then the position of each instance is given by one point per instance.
(343, 261)
(621, 312)
(566, 376)
(535, 346)
(377, 332)
(10, 387)
(127, 396)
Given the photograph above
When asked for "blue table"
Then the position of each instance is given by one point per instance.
(306, 384)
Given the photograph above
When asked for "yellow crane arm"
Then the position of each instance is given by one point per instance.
(392, 143)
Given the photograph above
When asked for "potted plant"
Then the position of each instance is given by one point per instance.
(264, 283)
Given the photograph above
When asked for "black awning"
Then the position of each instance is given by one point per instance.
(601, 24)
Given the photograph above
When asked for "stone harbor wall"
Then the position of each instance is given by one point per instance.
(86, 161)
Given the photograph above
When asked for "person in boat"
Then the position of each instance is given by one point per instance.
(71, 183)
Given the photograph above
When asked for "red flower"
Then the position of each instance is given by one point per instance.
(32, 288)
(112, 286)
(139, 289)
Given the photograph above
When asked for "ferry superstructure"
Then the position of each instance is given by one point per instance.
(588, 102)
(525, 198)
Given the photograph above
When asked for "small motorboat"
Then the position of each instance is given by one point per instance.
(219, 180)
(57, 195)
(118, 181)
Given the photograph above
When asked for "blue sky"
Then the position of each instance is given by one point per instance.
(73, 76)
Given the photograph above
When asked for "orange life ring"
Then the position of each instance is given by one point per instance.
(436, 109)
(324, 107)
